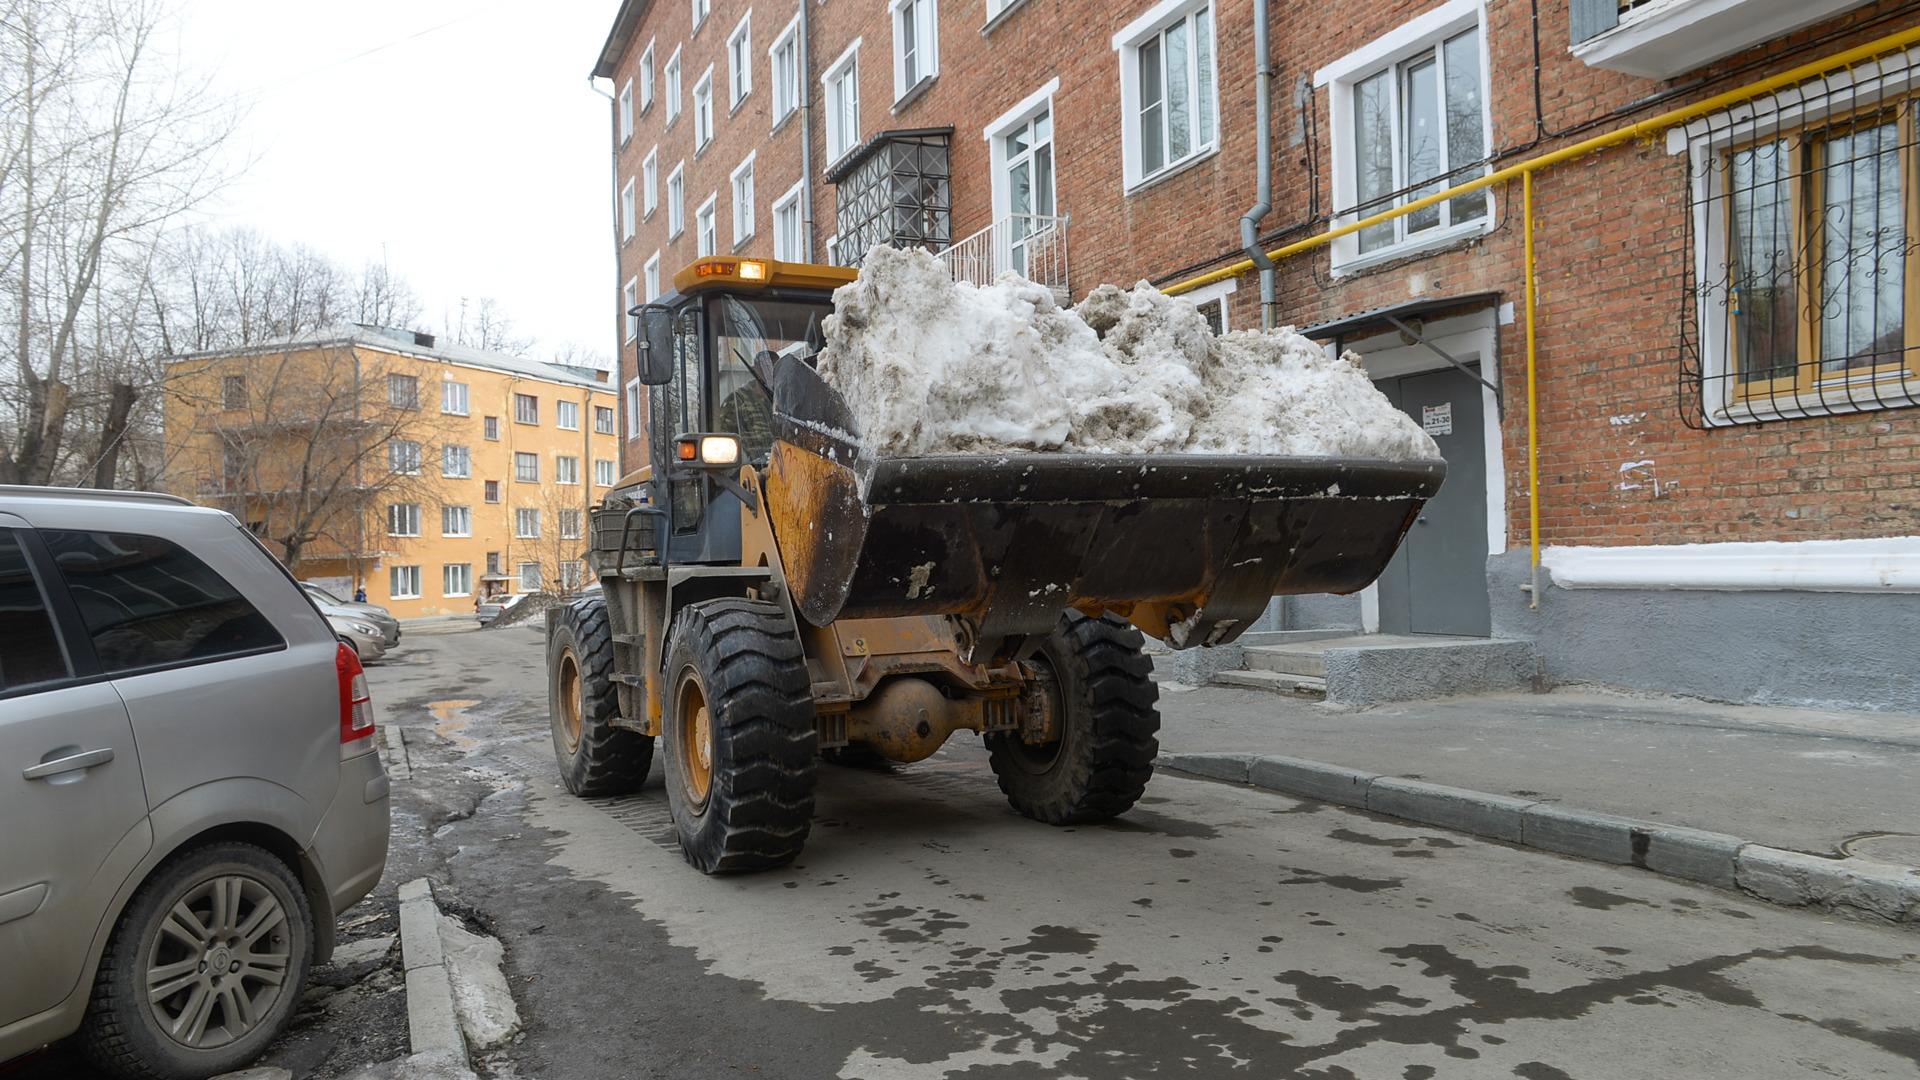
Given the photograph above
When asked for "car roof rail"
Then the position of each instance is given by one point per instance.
(91, 494)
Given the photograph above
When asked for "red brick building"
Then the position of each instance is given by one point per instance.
(1728, 319)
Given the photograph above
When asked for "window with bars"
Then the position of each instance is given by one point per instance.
(896, 191)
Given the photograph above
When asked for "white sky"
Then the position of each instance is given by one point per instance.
(460, 139)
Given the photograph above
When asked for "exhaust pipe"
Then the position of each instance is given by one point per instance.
(1263, 169)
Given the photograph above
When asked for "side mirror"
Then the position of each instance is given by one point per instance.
(656, 345)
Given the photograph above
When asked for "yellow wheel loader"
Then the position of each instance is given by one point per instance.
(772, 592)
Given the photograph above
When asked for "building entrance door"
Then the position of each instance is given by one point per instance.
(1437, 581)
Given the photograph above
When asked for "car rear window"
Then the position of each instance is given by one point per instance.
(147, 602)
(32, 655)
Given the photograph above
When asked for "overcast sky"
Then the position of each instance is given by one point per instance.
(460, 139)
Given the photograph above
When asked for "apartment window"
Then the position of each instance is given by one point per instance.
(1409, 116)
(456, 521)
(603, 471)
(490, 428)
(703, 110)
(916, 44)
(456, 461)
(569, 524)
(783, 58)
(646, 78)
(626, 211)
(673, 86)
(573, 574)
(493, 563)
(842, 85)
(526, 467)
(233, 391)
(629, 303)
(633, 408)
(603, 420)
(743, 201)
(526, 409)
(677, 201)
(787, 239)
(403, 391)
(740, 61)
(1211, 302)
(456, 579)
(651, 278)
(526, 523)
(701, 9)
(1167, 88)
(566, 469)
(1021, 147)
(403, 457)
(650, 182)
(706, 232)
(529, 577)
(492, 491)
(403, 519)
(626, 113)
(453, 398)
(566, 415)
(403, 583)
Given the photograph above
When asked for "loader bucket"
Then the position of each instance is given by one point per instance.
(1188, 547)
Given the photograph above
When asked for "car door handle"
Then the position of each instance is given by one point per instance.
(71, 763)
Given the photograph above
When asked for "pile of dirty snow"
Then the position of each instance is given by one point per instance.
(932, 366)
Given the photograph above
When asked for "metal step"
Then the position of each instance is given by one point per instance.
(1279, 682)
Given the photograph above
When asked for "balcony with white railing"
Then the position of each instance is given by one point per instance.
(1030, 245)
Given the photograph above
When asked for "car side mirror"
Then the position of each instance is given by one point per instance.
(656, 345)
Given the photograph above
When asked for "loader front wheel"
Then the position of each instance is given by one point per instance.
(740, 738)
(595, 757)
(1104, 719)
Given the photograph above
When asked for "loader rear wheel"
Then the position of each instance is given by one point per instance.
(1106, 720)
(740, 739)
(595, 757)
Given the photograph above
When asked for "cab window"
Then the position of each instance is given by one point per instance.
(748, 335)
(32, 656)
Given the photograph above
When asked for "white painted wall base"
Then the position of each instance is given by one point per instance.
(1885, 565)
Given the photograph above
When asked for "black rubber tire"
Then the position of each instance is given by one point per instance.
(120, 1035)
(746, 661)
(1103, 759)
(608, 760)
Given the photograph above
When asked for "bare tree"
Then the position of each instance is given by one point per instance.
(562, 544)
(101, 145)
(481, 324)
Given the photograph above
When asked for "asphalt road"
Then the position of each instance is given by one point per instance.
(930, 932)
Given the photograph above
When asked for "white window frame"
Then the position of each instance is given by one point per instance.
(1706, 139)
(646, 77)
(403, 519)
(460, 394)
(613, 420)
(703, 110)
(1207, 294)
(447, 524)
(626, 211)
(740, 61)
(1127, 44)
(743, 200)
(677, 201)
(532, 419)
(525, 571)
(456, 461)
(396, 575)
(561, 472)
(1389, 51)
(786, 92)
(561, 407)
(650, 279)
(403, 452)
(926, 50)
(626, 113)
(565, 515)
(671, 85)
(790, 202)
(1006, 123)
(650, 183)
(701, 9)
(630, 299)
(841, 140)
(449, 587)
(634, 409)
(706, 227)
(522, 517)
(529, 475)
(604, 471)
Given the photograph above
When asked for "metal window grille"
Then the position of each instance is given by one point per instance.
(894, 191)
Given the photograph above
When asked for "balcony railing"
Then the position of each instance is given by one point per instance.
(1030, 245)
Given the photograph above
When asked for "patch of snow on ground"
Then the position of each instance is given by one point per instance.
(933, 366)
(480, 995)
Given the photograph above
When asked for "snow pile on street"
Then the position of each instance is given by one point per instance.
(933, 366)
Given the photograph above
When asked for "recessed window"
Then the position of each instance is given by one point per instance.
(788, 239)
(646, 78)
(456, 579)
(403, 391)
(403, 583)
(672, 88)
(453, 398)
(492, 491)
(603, 420)
(403, 457)
(526, 409)
(703, 110)
(1167, 88)
(1023, 183)
(842, 85)
(569, 524)
(783, 60)
(626, 210)
(634, 408)
(456, 521)
(677, 201)
(740, 61)
(650, 278)
(526, 467)
(566, 469)
(490, 428)
(403, 519)
(566, 415)
(916, 44)
(705, 229)
(628, 302)
(743, 201)
(456, 461)
(526, 523)
(603, 470)
(626, 112)
(233, 391)
(529, 577)
(701, 9)
(650, 182)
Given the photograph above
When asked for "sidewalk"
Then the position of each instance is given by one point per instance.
(1826, 784)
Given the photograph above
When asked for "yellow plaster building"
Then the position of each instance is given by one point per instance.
(428, 475)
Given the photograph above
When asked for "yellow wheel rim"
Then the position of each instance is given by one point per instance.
(571, 723)
(696, 742)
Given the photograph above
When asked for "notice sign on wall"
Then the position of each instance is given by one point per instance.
(1437, 419)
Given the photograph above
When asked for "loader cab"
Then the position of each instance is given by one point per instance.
(706, 351)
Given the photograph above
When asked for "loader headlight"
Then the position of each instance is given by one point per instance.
(708, 449)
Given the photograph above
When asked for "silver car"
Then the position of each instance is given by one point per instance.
(188, 778)
(371, 614)
(369, 644)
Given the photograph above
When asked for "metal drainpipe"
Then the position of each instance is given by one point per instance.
(1263, 169)
(804, 73)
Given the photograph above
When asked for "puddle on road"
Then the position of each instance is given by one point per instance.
(450, 721)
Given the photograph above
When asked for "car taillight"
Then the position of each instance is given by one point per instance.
(356, 705)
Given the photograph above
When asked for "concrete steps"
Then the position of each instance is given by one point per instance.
(1309, 686)
(1367, 669)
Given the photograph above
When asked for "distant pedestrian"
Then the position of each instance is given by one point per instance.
(360, 595)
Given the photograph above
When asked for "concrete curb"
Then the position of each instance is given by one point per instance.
(1791, 878)
(399, 761)
(433, 1027)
